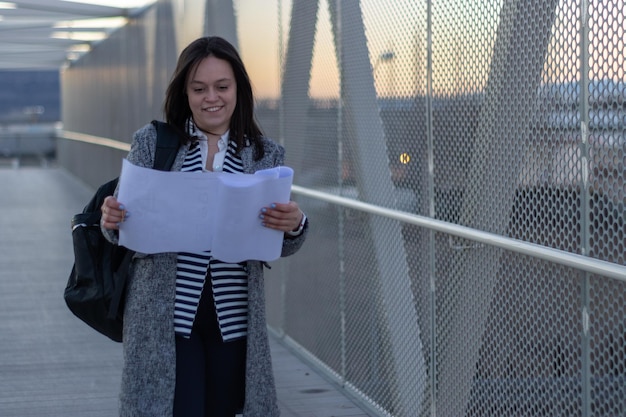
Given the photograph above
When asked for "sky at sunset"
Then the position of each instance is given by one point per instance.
(259, 39)
(464, 34)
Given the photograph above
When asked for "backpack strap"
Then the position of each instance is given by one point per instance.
(168, 142)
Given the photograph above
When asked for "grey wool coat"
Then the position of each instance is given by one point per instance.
(149, 371)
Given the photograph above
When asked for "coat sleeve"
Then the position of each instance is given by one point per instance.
(291, 245)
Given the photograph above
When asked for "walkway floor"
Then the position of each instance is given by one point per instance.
(51, 364)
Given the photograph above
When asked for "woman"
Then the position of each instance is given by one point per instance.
(195, 339)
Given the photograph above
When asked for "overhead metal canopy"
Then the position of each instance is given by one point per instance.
(48, 34)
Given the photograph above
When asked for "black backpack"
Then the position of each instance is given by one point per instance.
(95, 288)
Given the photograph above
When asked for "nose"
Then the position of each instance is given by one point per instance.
(211, 94)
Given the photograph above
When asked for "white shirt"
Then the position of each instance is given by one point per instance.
(222, 145)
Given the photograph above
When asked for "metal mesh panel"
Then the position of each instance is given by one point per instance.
(461, 51)
(607, 356)
(501, 117)
(313, 301)
(606, 107)
(367, 351)
(533, 326)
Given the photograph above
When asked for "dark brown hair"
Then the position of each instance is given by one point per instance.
(176, 108)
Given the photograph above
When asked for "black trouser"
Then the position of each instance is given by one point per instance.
(210, 373)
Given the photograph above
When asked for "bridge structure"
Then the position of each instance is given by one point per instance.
(462, 167)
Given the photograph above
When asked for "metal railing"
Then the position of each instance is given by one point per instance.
(584, 263)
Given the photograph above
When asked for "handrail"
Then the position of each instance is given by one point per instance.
(568, 259)
(96, 140)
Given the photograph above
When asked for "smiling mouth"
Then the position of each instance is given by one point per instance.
(212, 109)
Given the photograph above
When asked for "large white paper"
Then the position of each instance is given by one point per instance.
(199, 211)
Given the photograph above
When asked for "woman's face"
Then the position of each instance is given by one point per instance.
(212, 95)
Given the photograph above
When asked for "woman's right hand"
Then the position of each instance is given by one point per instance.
(113, 213)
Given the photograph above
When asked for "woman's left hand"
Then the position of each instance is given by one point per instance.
(280, 216)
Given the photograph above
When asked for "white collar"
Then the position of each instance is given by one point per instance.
(222, 146)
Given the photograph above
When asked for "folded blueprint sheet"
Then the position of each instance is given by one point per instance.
(200, 211)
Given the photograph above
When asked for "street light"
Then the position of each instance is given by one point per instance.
(386, 56)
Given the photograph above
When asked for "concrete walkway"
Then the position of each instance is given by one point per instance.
(51, 364)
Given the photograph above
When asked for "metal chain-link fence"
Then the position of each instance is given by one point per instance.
(501, 117)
